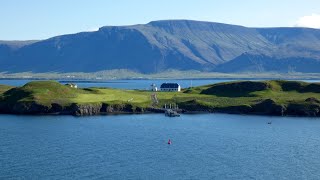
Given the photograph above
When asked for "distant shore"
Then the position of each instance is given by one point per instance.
(123, 74)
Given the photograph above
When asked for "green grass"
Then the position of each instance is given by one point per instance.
(43, 92)
(217, 95)
(113, 95)
(4, 88)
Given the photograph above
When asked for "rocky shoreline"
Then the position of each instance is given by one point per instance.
(311, 108)
(74, 109)
(268, 107)
(275, 98)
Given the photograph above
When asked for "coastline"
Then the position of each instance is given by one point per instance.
(123, 74)
(95, 110)
(270, 98)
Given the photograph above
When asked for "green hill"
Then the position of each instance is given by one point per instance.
(43, 92)
(245, 97)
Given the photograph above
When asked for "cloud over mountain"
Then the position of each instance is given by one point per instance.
(311, 21)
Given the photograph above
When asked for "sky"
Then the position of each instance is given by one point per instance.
(41, 19)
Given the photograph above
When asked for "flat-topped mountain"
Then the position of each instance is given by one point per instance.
(171, 44)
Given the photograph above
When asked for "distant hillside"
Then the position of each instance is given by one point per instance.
(172, 44)
(262, 63)
(17, 44)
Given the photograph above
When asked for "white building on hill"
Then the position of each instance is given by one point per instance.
(168, 87)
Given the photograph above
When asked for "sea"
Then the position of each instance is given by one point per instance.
(203, 146)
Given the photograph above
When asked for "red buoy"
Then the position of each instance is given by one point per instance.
(169, 142)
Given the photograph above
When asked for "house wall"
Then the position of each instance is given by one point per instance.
(171, 89)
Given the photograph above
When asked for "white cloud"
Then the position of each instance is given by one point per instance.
(93, 29)
(312, 21)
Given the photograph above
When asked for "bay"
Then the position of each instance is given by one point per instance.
(206, 146)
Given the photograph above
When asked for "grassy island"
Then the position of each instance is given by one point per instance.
(241, 97)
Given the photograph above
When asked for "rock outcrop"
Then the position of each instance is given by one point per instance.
(311, 107)
(269, 107)
(25, 108)
(84, 109)
(241, 109)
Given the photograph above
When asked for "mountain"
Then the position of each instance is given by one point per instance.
(17, 44)
(169, 44)
(262, 63)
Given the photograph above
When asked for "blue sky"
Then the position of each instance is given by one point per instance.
(40, 19)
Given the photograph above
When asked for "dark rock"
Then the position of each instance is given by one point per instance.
(139, 110)
(28, 108)
(312, 100)
(56, 108)
(85, 109)
(241, 109)
(154, 110)
(118, 108)
(309, 109)
(269, 107)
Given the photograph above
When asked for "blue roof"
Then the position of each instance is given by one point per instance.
(169, 85)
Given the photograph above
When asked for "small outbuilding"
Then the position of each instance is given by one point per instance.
(154, 87)
(170, 87)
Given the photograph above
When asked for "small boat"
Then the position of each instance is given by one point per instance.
(269, 122)
(169, 142)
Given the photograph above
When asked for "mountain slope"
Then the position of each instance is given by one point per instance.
(261, 63)
(172, 44)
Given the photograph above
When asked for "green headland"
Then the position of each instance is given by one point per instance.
(275, 97)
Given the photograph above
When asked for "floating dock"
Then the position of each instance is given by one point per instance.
(171, 113)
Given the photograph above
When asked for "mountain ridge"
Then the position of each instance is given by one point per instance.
(167, 44)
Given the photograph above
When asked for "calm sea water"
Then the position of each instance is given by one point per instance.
(205, 146)
(208, 146)
(125, 84)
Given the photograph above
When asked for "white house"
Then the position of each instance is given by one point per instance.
(168, 87)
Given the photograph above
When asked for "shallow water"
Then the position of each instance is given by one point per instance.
(206, 146)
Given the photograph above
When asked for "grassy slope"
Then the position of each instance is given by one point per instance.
(47, 92)
(43, 92)
(285, 92)
(3, 89)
